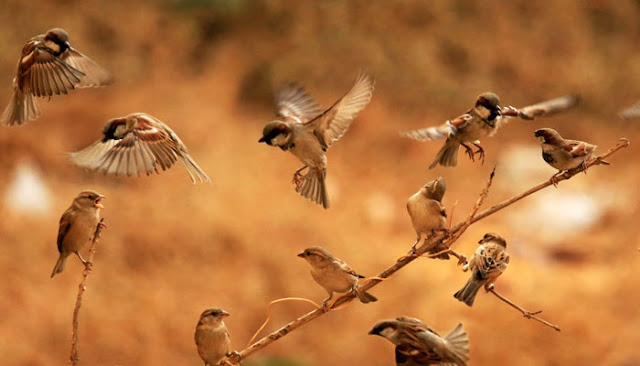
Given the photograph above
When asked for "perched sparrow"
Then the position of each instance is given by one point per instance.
(428, 214)
(77, 226)
(302, 128)
(631, 112)
(49, 65)
(212, 336)
(564, 154)
(482, 120)
(333, 274)
(135, 144)
(486, 264)
(418, 345)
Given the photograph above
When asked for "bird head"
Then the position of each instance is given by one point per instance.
(276, 133)
(435, 189)
(548, 136)
(58, 36)
(493, 238)
(315, 255)
(386, 329)
(89, 199)
(491, 102)
(212, 316)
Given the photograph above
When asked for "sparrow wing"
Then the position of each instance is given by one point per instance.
(293, 104)
(46, 75)
(549, 107)
(578, 148)
(631, 112)
(439, 132)
(94, 74)
(334, 122)
(65, 225)
(493, 261)
(345, 267)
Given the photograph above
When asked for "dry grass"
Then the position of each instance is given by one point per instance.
(172, 249)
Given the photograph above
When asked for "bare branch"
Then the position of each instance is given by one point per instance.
(73, 357)
(525, 313)
(422, 249)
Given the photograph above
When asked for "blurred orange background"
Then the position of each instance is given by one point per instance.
(208, 68)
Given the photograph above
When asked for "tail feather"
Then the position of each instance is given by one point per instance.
(313, 186)
(59, 267)
(195, 172)
(366, 297)
(467, 294)
(459, 346)
(21, 109)
(448, 155)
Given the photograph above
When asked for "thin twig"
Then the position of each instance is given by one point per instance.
(527, 314)
(426, 245)
(74, 358)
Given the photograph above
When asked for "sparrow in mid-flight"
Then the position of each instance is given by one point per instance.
(137, 144)
(49, 66)
(304, 129)
(419, 345)
(481, 121)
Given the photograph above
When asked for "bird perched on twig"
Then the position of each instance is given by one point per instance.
(481, 121)
(486, 265)
(564, 154)
(419, 345)
(49, 66)
(212, 336)
(136, 144)
(428, 214)
(78, 225)
(333, 274)
(304, 129)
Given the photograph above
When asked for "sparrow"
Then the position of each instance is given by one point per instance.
(49, 66)
(135, 144)
(486, 265)
(564, 154)
(427, 213)
(333, 274)
(631, 112)
(304, 129)
(212, 336)
(417, 344)
(78, 224)
(481, 121)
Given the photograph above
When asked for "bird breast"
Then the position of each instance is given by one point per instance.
(426, 214)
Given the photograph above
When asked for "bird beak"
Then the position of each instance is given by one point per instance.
(301, 254)
(98, 201)
(262, 139)
(224, 314)
(499, 110)
(480, 241)
(67, 44)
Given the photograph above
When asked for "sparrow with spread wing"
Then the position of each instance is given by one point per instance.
(333, 274)
(212, 337)
(427, 213)
(49, 66)
(78, 224)
(564, 154)
(302, 128)
(419, 345)
(481, 121)
(136, 144)
(486, 265)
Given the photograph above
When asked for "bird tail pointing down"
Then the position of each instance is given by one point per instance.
(313, 186)
(21, 109)
(448, 155)
(59, 267)
(468, 293)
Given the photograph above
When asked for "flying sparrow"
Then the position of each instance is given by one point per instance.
(631, 112)
(49, 66)
(212, 336)
(333, 274)
(427, 213)
(77, 227)
(304, 129)
(486, 265)
(564, 154)
(136, 144)
(419, 345)
(481, 121)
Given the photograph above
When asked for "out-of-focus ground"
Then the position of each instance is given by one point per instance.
(208, 68)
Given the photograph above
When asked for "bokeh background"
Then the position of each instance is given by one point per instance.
(209, 67)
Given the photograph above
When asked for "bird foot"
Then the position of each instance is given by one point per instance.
(488, 287)
(233, 358)
(480, 152)
(469, 151)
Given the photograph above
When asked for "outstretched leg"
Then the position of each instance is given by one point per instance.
(468, 151)
(480, 151)
(297, 176)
